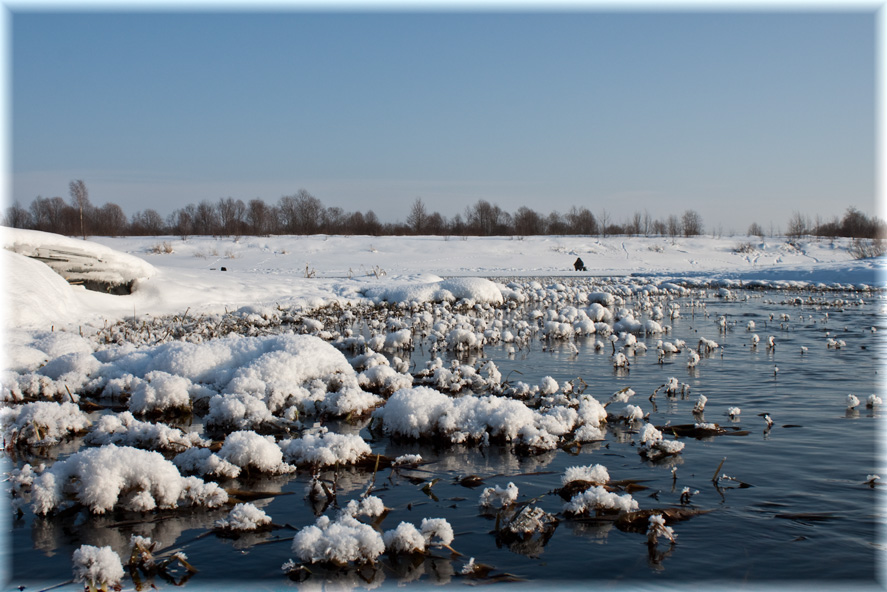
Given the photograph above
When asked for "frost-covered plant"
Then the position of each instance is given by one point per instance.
(406, 538)
(597, 499)
(325, 449)
(595, 474)
(41, 423)
(424, 412)
(203, 461)
(338, 542)
(527, 522)
(160, 392)
(654, 446)
(549, 386)
(124, 429)
(137, 480)
(247, 449)
(384, 379)
(631, 413)
(370, 506)
(620, 396)
(494, 498)
(699, 407)
(656, 528)
(244, 516)
(97, 567)
(407, 459)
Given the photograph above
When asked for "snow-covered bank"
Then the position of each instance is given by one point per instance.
(211, 275)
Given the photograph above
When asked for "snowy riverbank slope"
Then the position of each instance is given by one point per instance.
(311, 271)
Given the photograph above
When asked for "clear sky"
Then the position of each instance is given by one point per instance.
(743, 116)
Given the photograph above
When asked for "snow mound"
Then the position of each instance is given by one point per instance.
(433, 289)
(137, 480)
(78, 261)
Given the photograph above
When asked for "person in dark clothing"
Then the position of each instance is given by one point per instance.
(579, 265)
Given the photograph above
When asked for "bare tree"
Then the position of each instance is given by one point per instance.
(181, 222)
(755, 230)
(691, 222)
(581, 221)
(528, 222)
(80, 201)
(206, 220)
(333, 220)
(436, 224)
(797, 225)
(17, 217)
(418, 217)
(308, 212)
(52, 214)
(555, 224)
(147, 223)
(110, 220)
(485, 219)
(373, 226)
(673, 225)
(604, 222)
(258, 217)
(633, 226)
(231, 215)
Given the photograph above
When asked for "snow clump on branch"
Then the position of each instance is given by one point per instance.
(136, 480)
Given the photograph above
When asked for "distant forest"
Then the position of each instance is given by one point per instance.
(304, 214)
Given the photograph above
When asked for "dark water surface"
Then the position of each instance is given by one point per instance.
(807, 519)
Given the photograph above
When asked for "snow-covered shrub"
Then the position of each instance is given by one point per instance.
(548, 386)
(203, 461)
(137, 480)
(654, 446)
(125, 430)
(595, 474)
(524, 524)
(248, 449)
(339, 541)
(160, 392)
(597, 499)
(97, 567)
(325, 449)
(494, 498)
(657, 528)
(237, 412)
(424, 412)
(384, 379)
(41, 423)
(407, 459)
(406, 538)
(244, 516)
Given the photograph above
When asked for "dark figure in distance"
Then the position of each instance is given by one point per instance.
(579, 265)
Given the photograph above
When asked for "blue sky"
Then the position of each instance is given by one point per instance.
(742, 116)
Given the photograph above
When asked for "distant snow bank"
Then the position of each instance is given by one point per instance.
(210, 275)
(431, 289)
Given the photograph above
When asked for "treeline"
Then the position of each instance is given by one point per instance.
(303, 214)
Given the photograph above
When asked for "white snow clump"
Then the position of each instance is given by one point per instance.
(98, 567)
(138, 480)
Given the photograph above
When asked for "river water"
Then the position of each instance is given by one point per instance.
(804, 513)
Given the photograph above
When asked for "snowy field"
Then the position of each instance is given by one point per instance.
(291, 355)
(272, 271)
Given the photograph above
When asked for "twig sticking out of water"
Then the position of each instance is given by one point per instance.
(718, 471)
